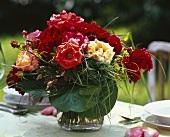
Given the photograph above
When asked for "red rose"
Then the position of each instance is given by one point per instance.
(142, 58)
(114, 41)
(12, 78)
(98, 31)
(64, 19)
(139, 61)
(77, 38)
(69, 55)
(92, 31)
(46, 42)
(133, 70)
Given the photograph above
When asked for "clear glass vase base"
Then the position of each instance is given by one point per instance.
(72, 121)
(82, 127)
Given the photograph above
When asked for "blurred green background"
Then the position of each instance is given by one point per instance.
(147, 20)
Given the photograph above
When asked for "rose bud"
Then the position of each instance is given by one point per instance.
(49, 111)
(49, 84)
(54, 113)
(150, 132)
(24, 33)
(134, 132)
(15, 44)
(142, 132)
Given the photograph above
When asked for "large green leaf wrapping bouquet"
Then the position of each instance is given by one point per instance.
(76, 64)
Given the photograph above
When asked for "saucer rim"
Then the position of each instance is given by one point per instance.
(148, 107)
(12, 91)
(144, 117)
(6, 96)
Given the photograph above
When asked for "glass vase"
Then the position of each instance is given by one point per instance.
(71, 121)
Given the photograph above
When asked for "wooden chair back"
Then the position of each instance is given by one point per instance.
(159, 76)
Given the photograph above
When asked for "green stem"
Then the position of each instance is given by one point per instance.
(144, 81)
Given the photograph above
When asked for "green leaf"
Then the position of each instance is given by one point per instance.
(106, 102)
(77, 99)
(33, 86)
(92, 72)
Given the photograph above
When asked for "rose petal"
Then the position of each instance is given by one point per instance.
(134, 132)
(54, 112)
(150, 132)
(142, 132)
(47, 111)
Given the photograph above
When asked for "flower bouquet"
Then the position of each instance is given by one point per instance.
(77, 65)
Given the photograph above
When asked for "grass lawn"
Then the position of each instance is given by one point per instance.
(139, 96)
(10, 57)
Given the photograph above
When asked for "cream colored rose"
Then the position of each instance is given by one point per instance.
(100, 51)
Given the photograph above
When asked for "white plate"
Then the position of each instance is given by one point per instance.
(12, 91)
(151, 119)
(159, 108)
(25, 101)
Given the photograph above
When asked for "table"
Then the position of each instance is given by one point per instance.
(46, 126)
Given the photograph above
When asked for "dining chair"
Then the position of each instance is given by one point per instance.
(159, 76)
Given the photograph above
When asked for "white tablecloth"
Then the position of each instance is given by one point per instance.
(46, 126)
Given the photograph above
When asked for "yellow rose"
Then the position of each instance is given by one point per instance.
(100, 51)
(27, 61)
